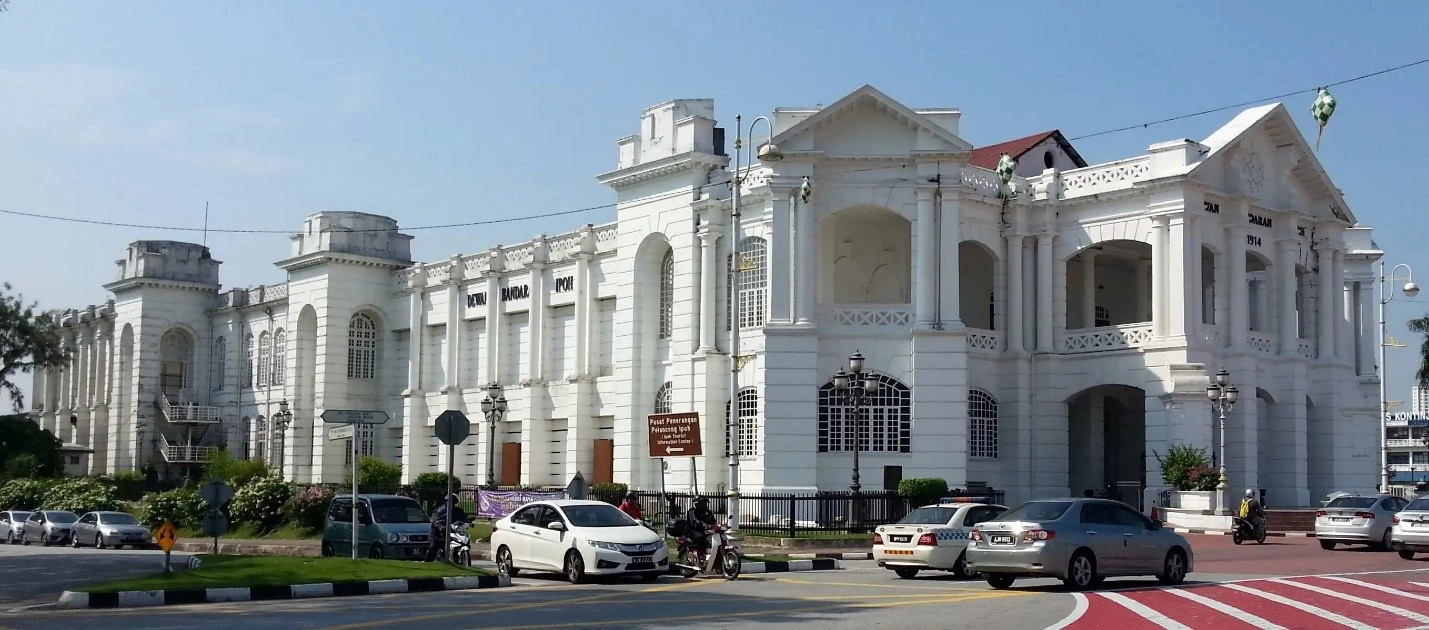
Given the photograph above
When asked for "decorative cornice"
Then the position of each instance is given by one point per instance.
(357, 260)
(662, 167)
(134, 283)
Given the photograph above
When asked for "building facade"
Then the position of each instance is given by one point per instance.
(1046, 336)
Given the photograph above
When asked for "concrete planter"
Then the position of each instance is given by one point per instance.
(1193, 499)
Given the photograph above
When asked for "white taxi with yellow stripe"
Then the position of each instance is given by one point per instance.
(931, 538)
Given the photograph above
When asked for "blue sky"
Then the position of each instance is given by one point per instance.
(440, 112)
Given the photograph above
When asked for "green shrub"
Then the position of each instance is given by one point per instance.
(80, 495)
(23, 494)
(1187, 467)
(308, 507)
(184, 506)
(612, 493)
(235, 472)
(432, 488)
(128, 485)
(261, 502)
(922, 490)
(375, 472)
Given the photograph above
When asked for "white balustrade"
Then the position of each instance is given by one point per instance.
(1102, 178)
(1260, 342)
(984, 341)
(1107, 338)
(871, 315)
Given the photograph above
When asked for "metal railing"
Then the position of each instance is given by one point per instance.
(185, 454)
(189, 412)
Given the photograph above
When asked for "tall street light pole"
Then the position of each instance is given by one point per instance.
(279, 428)
(493, 407)
(1223, 397)
(1410, 290)
(856, 387)
(767, 153)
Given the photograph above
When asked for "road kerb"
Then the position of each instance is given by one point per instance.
(135, 599)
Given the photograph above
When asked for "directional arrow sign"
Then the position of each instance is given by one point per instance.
(354, 416)
(341, 432)
(453, 427)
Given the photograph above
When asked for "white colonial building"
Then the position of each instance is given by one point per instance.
(1043, 338)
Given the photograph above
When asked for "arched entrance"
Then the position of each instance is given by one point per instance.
(1106, 442)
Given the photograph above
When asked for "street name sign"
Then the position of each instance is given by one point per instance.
(675, 435)
(354, 416)
(342, 432)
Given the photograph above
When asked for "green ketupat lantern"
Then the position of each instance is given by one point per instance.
(1005, 168)
(1322, 109)
(806, 190)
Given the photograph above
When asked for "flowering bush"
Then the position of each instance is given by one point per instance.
(1181, 462)
(261, 501)
(80, 495)
(184, 506)
(308, 508)
(1203, 478)
(23, 494)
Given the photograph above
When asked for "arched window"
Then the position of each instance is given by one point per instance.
(264, 359)
(883, 425)
(220, 363)
(667, 295)
(361, 347)
(662, 398)
(248, 361)
(260, 439)
(982, 424)
(748, 424)
(280, 357)
(752, 279)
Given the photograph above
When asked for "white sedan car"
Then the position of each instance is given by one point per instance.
(931, 538)
(577, 539)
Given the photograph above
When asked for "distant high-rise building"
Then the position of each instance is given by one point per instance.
(1419, 400)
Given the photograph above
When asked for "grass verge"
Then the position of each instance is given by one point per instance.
(239, 571)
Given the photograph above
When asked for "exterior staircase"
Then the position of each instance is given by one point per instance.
(192, 429)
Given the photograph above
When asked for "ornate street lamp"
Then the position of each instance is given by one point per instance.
(856, 389)
(493, 407)
(1223, 397)
(277, 433)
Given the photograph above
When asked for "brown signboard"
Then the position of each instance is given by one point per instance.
(675, 435)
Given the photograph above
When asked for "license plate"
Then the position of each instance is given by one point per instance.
(900, 539)
(642, 561)
(1339, 519)
(1417, 523)
(1001, 540)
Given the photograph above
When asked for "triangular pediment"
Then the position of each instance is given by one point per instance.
(1261, 153)
(867, 123)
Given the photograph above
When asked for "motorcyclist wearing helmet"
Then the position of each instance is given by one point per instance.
(438, 541)
(631, 506)
(700, 520)
(1251, 510)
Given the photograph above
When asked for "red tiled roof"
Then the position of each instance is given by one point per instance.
(988, 156)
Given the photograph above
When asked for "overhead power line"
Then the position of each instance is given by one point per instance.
(607, 206)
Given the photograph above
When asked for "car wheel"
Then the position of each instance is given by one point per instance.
(74, 541)
(1173, 570)
(327, 549)
(998, 581)
(375, 552)
(1406, 554)
(505, 564)
(1384, 541)
(961, 570)
(98, 541)
(1327, 545)
(906, 572)
(1081, 571)
(575, 567)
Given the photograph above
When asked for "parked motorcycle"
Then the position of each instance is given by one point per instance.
(721, 555)
(1243, 530)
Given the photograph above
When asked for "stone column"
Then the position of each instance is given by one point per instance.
(584, 303)
(1089, 290)
(417, 318)
(925, 251)
(1344, 341)
(805, 262)
(709, 287)
(1185, 264)
(1159, 277)
(416, 436)
(780, 276)
(1239, 323)
(1325, 294)
(949, 290)
(1365, 331)
(1046, 290)
(1286, 284)
(1016, 322)
(456, 273)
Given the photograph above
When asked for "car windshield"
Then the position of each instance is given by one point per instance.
(929, 516)
(118, 519)
(1353, 502)
(1418, 505)
(61, 517)
(397, 511)
(19, 516)
(1036, 511)
(597, 516)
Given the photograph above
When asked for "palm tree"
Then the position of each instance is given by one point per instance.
(1421, 325)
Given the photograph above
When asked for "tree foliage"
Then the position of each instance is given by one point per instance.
(1187, 467)
(1421, 325)
(378, 474)
(28, 451)
(28, 340)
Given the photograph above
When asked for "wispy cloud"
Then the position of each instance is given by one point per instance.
(245, 162)
(55, 93)
(238, 116)
(355, 91)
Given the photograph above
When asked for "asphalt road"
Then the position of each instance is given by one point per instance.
(32, 575)
(860, 596)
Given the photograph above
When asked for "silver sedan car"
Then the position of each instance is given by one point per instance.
(1079, 541)
(12, 525)
(1358, 520)
(110, 529)
(48, 527)
(1410, 533)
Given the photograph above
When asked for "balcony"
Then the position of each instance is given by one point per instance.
(869, 315)
(1106, 338)
(1406, 443)
(185, 454)
(188, 413)
(984, 341)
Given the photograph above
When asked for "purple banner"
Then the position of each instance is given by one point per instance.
(499, 503)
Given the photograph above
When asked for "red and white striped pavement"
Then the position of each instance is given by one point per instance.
(1362, 602)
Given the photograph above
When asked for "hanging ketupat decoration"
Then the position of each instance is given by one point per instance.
(806, 190)
(1005, 168)
(1322, 109)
